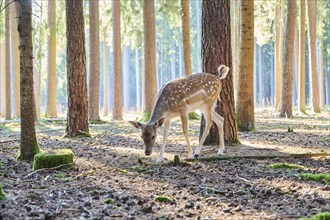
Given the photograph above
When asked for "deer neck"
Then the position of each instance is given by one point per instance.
(158, 111)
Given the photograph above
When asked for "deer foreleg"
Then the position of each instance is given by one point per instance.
(166, 129)
(184, 121)
(208, 124)
(219, 121)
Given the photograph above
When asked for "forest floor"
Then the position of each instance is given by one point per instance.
(220, 189)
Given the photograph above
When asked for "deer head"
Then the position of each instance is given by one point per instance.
(149, 133)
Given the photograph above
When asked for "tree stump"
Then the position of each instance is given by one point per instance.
(53, 159)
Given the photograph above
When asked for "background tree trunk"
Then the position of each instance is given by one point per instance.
(137, 77)
(126, 77)
(302, 58)
(51, 62)
(117, 95)
(2, 80)
(77, 119)
(278, 87)
(286, 100)
(150, 88)
(321, 72)
(7, 68)
(28, 145)
(245, 99)
(186, 36)
(311, 14)
(94, 71)
(15, 60)
(236, 44)
(216, 50)
(106, 76)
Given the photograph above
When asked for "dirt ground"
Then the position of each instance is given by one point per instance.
(224, 189)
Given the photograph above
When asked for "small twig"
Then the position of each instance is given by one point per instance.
(35, 15)
(241, 178)
(6, 5)
(35, 2)
(43, 169)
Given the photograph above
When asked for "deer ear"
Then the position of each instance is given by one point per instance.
(159, 123)
(136, 124)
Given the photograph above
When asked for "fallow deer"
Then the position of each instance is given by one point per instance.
(179, 97)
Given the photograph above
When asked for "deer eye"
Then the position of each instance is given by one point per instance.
(153, 137)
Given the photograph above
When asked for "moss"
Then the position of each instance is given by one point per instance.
(176, 160)
(243, 127)
(2, 193)
(286, 166)
(163, 199)
(29, 155)
(50, 160)
(146, 117)
(290, 129)
(319, 177)
(319, 216)
(108, 201)
(194, 116)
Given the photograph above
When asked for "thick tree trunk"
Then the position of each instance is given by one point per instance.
(245, 99)
(302, 58)
(199, 35)
(28, 144)
(236, 45)
(7, 65)
(106, 77)
(15, 60)
(51, 62)
(117, 94)
(186, 36)
(311, 14)
(216, 50)
(150, 86)
(286, 100)
(2, 80)
(77, 119)
(94, 71)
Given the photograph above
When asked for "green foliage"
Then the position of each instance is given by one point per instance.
(193, 116)
(108, 201)
(2, 193)
(319, 177)
(290, 129)
(163, 199)
(319, 216)
(286, 166)
(146, 117)
(50, 160)
(176, 160)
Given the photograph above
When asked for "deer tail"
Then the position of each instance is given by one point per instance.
(223, 71)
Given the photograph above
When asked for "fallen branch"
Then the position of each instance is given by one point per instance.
(257, 157)
(43, 169)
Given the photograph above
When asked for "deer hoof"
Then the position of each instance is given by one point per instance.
(159, 160)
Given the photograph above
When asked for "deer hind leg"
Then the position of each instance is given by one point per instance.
(219, 121)
(166, 129)
(184, 121)
(208, 124)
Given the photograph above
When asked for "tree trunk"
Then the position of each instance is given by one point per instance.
(150, 88)
(260, 79)
(199, 35)
(117, 94)
(173, 74)
(137, 79)
(236, 44)
(51, 62)
(77, 119)
(2, 80)
(106, 76)
(126, 77)
(7, 65)
(311, 14)
(94, 71)
(28, 144)
(302, 50)
(280, 55)
(15, 60)
(286, 100)
(216, 50)
(186, 36)
(321, 73)
(245, 99)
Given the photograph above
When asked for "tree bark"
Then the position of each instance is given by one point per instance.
(51, 62)
(7, 65)
(245, 99)
(302, 58)
(94, 71)
(236, 44)
(126, 77)
(150, 85)
(311, 15)
(137, 79)
(321, 73)
(2, 80)
(286, 100)
(77, 118)
(280, 55)
(186, 36)
(216, 50)
(106, 77)
(28, 143)
(15, 60)
(117, 95)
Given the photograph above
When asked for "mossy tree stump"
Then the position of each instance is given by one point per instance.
(2, 193)
(53, 159)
